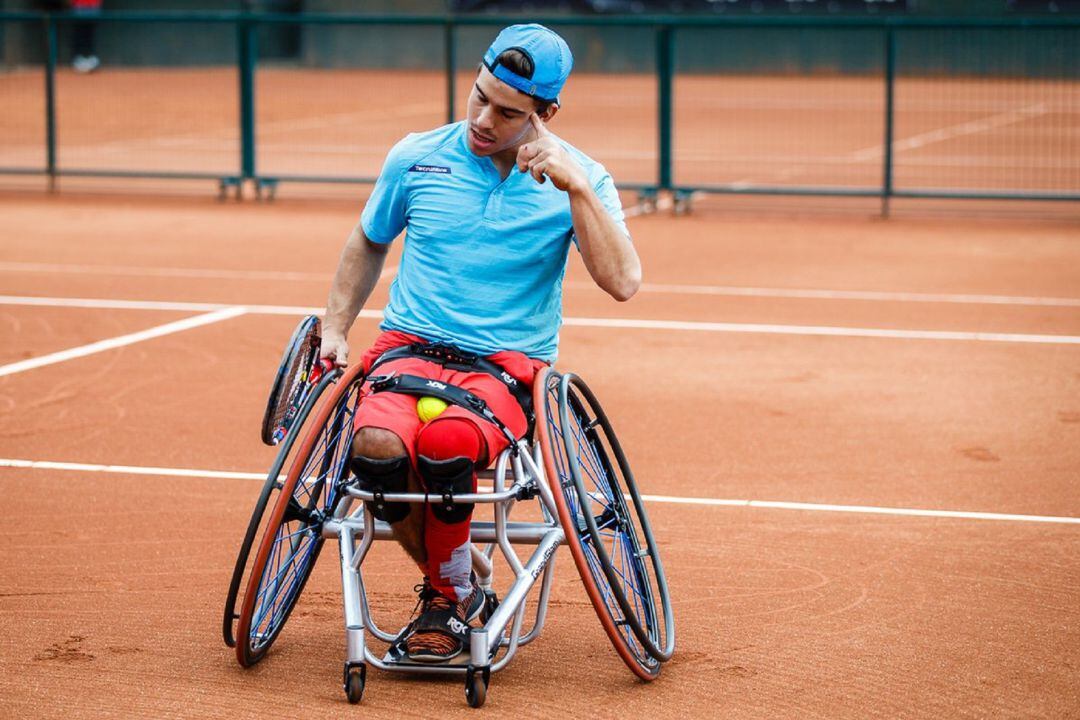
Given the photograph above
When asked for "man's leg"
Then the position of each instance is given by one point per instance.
(448, 454)
(379, 457)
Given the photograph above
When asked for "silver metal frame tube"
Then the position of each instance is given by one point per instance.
(527, 467)
(541, 604)
(483, 531)
(515, 597)
(351, 594)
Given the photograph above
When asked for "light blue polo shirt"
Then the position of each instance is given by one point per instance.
(484, 257)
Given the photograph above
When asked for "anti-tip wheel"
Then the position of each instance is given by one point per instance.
(355, 678)
(476, 685)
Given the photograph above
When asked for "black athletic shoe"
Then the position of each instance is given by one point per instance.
(440, 632)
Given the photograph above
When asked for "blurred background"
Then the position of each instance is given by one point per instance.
(876, 98)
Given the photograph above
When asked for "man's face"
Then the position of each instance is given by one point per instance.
(498, 115)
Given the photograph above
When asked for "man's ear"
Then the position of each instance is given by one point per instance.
(548, 114)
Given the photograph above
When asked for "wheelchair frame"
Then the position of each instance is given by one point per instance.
(529, 481)
(523, 471)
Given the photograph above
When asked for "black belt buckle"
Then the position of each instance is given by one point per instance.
(379, 383)
(476, 401)
(446, 353)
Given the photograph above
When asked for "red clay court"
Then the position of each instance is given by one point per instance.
(864, 478)
(926, 363)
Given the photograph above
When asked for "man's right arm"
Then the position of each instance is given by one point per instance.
(357, 273)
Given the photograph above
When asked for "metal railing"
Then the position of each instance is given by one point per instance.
(1059, 115)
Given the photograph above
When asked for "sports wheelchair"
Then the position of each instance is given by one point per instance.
(572, 465)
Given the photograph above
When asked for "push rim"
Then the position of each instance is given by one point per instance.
(557, 466)
(637, 584)
(293, 539)
(270, 487)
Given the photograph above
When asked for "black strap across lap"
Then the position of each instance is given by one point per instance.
(420, 386)
(454, 358)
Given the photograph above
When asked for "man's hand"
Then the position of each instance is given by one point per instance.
(545, 156)
(334, 347)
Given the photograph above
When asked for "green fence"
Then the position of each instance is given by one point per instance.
(877, 107)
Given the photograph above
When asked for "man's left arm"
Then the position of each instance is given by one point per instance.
(608, 254)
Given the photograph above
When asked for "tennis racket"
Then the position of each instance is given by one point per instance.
(298, 373)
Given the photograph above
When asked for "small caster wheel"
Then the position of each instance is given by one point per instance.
(476, 685)
(355, 677)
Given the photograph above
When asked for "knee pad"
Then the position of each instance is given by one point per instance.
(447, 478)
(445, 438)
(383, 476)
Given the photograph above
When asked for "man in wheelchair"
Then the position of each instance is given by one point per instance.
(490, 206)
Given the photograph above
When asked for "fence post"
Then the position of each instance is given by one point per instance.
(451, 70)
(50, 100)
(664, 62)
(245, 37)
(890, 85)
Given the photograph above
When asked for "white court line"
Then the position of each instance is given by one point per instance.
(822, 330)
(811, 294)
(663, 288)
(865, 509)
(130, 469)
(875, 152)
(206, 273)
(970, 127)
(201, 273)
(101, 345)
(672, 499)
(633, 324)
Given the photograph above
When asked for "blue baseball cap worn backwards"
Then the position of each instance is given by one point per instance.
(551, 57)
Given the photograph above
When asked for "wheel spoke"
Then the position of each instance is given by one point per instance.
(599, 494)
(298, 537)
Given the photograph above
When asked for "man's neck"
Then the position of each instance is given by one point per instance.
(504, 161)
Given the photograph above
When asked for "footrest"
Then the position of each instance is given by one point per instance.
(397, 656)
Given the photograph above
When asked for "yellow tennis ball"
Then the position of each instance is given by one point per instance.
(429, 408)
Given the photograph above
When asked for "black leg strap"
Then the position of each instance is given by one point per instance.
(379, 476)
(445, 478)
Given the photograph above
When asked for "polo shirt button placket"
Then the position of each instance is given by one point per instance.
(494, 204)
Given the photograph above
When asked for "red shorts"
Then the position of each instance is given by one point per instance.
(396, 412)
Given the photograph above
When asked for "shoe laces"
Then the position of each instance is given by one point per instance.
(428, 598)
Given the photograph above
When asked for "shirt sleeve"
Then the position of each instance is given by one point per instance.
(384, 215)
(604, 187)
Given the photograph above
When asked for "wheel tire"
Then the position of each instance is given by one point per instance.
(476, 686)
(299, 523)
(271, 485)
(562, 402)
(355, 679)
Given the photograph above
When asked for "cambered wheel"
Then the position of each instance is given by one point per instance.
(606, 526)
(293, 537)
(267, 498)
